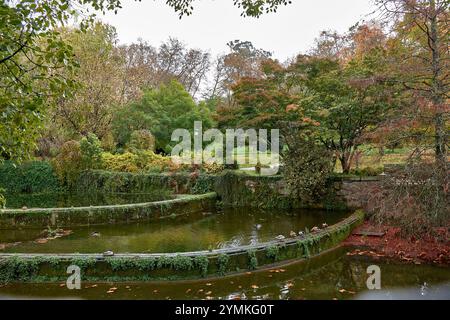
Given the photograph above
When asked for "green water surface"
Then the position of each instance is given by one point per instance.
(198, 231)
(333, 275)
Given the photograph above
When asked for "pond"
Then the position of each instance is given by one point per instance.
(333, 275)
(225, 228)
(67, 200)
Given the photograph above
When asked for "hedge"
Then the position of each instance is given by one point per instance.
(29, 177)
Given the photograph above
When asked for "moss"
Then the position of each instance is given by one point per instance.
(222, 263)
(104, 214)
(203, 184)
(171, 267)
(202, 263)
(182, 263)
(29, 177)
(83, 263)
(273, 252)
(120, 264)
(305, 246)
(252, 259)
(147, 264)
(18, 269)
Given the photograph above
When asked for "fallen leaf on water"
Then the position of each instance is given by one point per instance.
(282, 270)
(208, 293)
(209, 284)
(188, 290)
(155, 291)
(342, 290)
(201, 290)
(248, 273)
(62, 285)
(94, 286)
(255, 286)
(110, 291)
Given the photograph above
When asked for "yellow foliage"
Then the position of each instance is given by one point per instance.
(213, 168)
(120, 162)
(68, 163)
(143, 161)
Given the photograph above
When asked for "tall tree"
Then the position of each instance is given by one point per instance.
(243, 60)
(161, 111)
(89, 108)
(344, 94)
(422, 64)
(34, 64)
(149, 67)
(346, 88)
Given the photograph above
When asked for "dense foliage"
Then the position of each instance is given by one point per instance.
(35, 176)
(73, 96)
(160, 111)
(36, 65)
(308, 166)
(68, 163)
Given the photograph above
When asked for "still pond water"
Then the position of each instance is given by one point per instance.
(225, 228)
(333, 275)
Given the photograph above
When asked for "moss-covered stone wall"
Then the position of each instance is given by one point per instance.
(189, 265)
(82, 216)
(234, 188)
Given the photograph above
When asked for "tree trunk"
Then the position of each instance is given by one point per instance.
(346, 161)
(437, 89)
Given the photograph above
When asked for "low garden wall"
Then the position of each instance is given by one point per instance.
(177, 266)
(234, 188)
(82, 216)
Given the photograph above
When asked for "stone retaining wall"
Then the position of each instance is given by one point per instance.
(177, 266)
(84, 216)
(234, 188)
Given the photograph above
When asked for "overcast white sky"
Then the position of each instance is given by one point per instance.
(215, 22)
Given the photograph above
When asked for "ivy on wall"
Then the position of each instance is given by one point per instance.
(29, 177)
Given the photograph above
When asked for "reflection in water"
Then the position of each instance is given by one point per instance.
(199, 231)
(438, 292)
(331, 276)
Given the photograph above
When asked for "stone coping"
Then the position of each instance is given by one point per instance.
(95, 215)
(174, 266)
(356, 217)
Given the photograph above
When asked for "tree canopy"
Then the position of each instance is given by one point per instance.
(161, 111)
(35, 64)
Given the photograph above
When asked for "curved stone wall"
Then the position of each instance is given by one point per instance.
(83, 216)
(177, 266)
